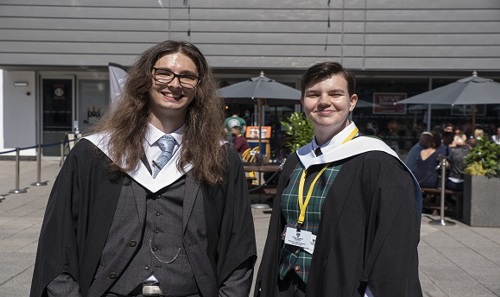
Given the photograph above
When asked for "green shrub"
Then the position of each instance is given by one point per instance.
(299, 131)
(484, 159)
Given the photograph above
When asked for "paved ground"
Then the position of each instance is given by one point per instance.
(457, 261)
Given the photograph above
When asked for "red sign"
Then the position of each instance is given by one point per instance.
(384, 103)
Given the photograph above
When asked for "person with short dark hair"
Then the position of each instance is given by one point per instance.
(448, 127)
(446, 141)
(346, 216)
(155, 202)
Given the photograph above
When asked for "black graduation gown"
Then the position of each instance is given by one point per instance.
(81, 207)
(369, 232)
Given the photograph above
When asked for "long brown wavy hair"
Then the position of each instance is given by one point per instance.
(127, 122)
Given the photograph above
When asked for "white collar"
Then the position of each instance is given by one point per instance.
(167, 176)
(306, 153)
(351, 148)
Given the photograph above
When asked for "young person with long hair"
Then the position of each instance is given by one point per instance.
(154, 203)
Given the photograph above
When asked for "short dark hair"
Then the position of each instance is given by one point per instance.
(324, 70)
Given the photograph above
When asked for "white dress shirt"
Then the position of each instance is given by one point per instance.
(169, 173)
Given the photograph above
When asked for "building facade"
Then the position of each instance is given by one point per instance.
(55, 55)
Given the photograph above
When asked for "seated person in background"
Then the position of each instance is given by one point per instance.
(240, 143)
(478, 134)
(413, 154)
(234, 120)
(459, 138)
(496, 138)
(447, 139)
(455, 181)
(427, 164)
(449, 128)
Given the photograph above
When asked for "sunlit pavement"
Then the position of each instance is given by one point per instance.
(458, 260)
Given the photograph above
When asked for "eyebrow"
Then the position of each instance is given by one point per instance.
(333, 90)
(184, 72)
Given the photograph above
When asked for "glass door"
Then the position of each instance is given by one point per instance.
(57, 112)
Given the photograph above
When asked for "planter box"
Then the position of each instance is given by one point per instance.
(481, 204)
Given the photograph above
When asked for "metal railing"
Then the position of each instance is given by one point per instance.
(63, 144)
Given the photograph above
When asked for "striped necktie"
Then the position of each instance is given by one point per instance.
(166, 143)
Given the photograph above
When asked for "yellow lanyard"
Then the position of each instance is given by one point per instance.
(303, 204)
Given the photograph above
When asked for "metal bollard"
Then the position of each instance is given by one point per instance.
(17, 190)
(62, 153)
(39, 168)
(442, 221)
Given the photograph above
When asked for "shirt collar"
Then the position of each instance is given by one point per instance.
(306, 153)
(153, 134)
(336, 140)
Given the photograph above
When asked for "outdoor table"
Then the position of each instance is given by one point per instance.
(263, 187)
(263, 168)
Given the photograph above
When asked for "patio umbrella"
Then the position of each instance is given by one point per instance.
(260, 89)
(363, 104)
(263, 88)
(471, 90)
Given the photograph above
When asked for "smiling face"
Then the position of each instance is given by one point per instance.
(169, 101)
(327, 104)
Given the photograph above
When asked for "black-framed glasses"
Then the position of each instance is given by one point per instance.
(164, 76)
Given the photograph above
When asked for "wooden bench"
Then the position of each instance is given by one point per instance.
(432, 200)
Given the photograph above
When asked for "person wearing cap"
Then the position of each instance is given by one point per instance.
(240, 143)
(234, 120)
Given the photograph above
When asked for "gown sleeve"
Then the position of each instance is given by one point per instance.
(57, 252)
(236, 247)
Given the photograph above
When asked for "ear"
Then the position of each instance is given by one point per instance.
(353, 101)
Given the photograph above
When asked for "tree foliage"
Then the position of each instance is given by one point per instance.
(299, 131)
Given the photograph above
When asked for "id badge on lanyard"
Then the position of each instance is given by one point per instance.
(300, 238)
(294, 235)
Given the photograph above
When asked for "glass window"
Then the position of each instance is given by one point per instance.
(93, 98)
(399, 126)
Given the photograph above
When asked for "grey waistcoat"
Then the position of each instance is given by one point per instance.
(146, 237)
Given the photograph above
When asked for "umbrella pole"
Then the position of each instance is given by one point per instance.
(473, 118)
(259, 106)
(429, 114)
